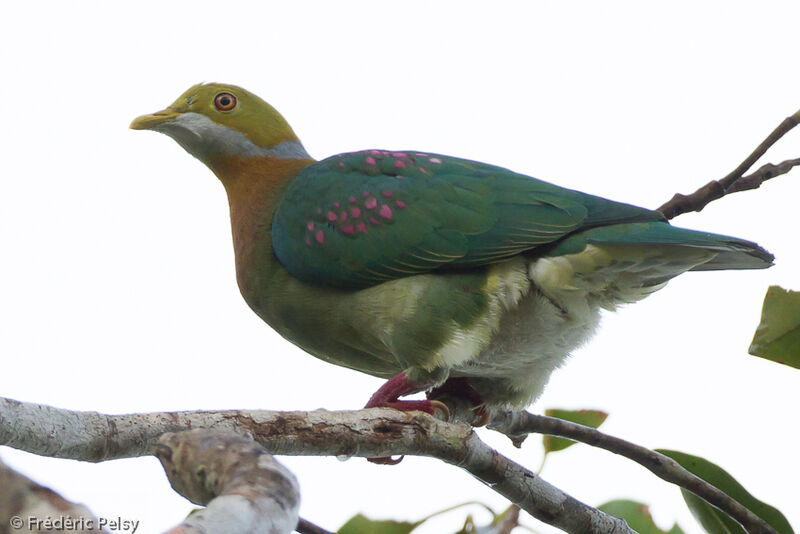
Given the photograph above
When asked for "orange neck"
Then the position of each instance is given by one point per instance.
(255, 187)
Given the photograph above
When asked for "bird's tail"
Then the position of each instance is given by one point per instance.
(727, 252)
(623, 263)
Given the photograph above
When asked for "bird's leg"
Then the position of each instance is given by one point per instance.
(398, 386)
(388, 396)
(459, 388)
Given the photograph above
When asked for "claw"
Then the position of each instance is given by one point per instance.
(482, 416)
(439, 410)
(459, 389)
(385, 460)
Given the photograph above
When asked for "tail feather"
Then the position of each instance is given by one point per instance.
(623, 263)
(730, 252)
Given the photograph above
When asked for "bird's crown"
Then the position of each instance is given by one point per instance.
(214, 119)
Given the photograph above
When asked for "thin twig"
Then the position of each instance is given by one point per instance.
(307, 527)
(716, 189)
(510, 521)
(521, 422)
(764, 173)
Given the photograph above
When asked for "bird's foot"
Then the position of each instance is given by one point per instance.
(432, 407)
(387, 397)
(386, 460)
(458, 389)
(398, 386)
(482, 416)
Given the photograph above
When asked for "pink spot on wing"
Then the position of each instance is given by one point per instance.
(361, 227)
(337, 205)
(347, 230)
(434, 160)
(370, 160)
(332, 216)
(399, 154)
(374, 221)
(343, 216)
(386, 211)
(371, 203)
(320, 237)
(352, 200)
(341, 164)
(399, 164)
(422, 170)
(421, 154)
(375, 152)
(310, 226)
(400, 204)
(355, 212)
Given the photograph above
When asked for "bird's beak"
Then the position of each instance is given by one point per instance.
(151, 121)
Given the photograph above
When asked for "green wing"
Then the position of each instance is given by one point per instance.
(363, 218)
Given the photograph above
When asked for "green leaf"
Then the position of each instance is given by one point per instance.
(505, 521)
(592, 418)
(713, 520)
(777, 337)
(362, 525)
(637, 515)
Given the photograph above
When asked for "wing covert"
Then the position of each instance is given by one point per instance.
(359, 219)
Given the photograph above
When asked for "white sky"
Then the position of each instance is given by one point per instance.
(117, 285)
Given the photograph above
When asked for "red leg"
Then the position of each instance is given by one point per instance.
(387, 397)
(398, 386)
(392, 389)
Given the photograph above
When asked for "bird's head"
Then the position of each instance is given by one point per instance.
(216, 120)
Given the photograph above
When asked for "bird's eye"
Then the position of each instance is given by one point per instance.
(225, 101)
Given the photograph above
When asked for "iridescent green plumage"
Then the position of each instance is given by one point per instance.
(363, 218)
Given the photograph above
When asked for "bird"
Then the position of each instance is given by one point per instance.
(439, 274)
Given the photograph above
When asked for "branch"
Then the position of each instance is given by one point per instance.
(243, 489)
(517, 424)
(735, 180)
(307, 527)
(375, 432)
(510, 521)
(26, 506)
